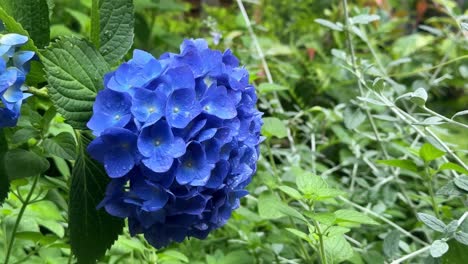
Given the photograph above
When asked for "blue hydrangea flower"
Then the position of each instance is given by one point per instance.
(179, 136)
(14, 66)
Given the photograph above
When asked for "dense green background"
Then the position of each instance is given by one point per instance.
(364, 160)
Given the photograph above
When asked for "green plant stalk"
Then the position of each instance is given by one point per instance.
(18, 219)
(95, 24)
(323, 256)
(275, 170)
(431, 191)
(450, 121)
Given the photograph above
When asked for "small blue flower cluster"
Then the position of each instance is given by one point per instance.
(14, 66)
(179, 136)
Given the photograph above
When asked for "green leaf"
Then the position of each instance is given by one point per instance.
(327, 23)
(268, 206)
(462, 237)
(299, 234)
(291, 192)
(439, 248)
(271, 207)
(75, 71)
(33, 15)
(364, 19)
(324, 218)
(457, 253)
(429, 153)
(274, 127)
(307, 182)
(462, 182)
(173, 255)
(264, 88)
(4, 181)
(390, 244)
(453, 166)
(432, 222)
(92, 231)
(464, 112)
(20, 163)
(351, 216)
(116, 28)
(353, 117)
(24, 134)
(15, 27)
(63, 146)
(419, 97)
(337, 249)
(450, 189)
(403, 164)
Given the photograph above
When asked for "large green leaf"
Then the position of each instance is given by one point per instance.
(14, 27)
(92, 231)
(4, 182)
(63, 145)
(20, 163)
(75, 72)
(33, 15)
(116, 21)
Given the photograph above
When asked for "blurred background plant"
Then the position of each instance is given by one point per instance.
(365, 118)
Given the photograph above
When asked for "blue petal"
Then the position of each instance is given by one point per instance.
(181, 77)
(5, 49)
(182, 107)
(118, 163)
(218, 174)
(193, 167)
(141, 57)
(7, 78)
(97, 149)
(158, 163)
(218, 103)
(13, 94)
(13, 39)
(21, 58)
(148, 106)
(230, 59)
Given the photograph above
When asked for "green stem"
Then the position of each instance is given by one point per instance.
(323, 256)
(38, 92)
(95, 24)
(431, 191)
(18, 219)
(270, 156)
(444, 118)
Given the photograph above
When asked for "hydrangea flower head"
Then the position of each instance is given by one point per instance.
(14, 66)
(179, 136)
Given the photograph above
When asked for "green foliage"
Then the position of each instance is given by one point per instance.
(74, 71)
(116, 23)
(365, 123)
(33, 15)
(92, 231)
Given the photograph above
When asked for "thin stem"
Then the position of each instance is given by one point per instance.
(265, 66)
(38, 92)
(451, 121)
(397, 227)
(411, 255)
(18, 219)
(407, 74)
(95, 23)
(431, 191)
(323, 256)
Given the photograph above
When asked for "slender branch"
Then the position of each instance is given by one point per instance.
(265, 66)
(18, 219)
(411, 255)
(451, 121)
(397, 227)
